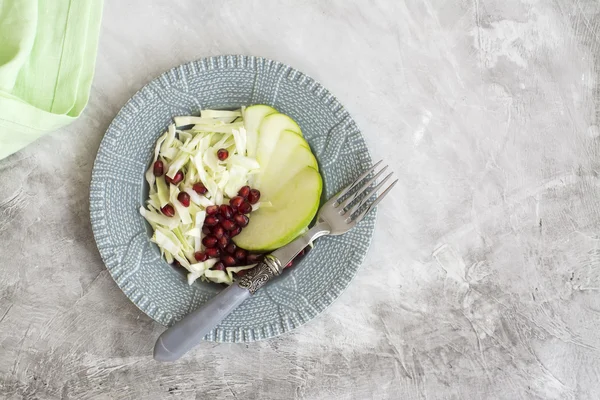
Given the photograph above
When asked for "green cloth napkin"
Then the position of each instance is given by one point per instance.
(47, 56)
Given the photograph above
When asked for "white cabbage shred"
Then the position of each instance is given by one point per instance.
(193, 151)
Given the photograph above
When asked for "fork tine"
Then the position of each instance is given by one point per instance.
(360, 191)
(368, 196)
(357, 180)
(360, 216)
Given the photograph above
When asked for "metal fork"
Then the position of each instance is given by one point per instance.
(337, 216)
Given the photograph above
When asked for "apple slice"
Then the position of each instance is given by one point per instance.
(253, 117)
(290, 155)
(268, 135)
(294, 206)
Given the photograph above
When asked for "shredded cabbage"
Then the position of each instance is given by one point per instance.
(221, 114)
(193, 151)
(232, 270)
(164, 242)
(159, 219)
(218, 276)
(199, 269)
(150, 178)
(163, 191)
(218, 128)
(182, 212)
(239, 137)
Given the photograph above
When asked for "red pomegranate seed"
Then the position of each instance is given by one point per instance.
(176, 179)
(289, 264)
(228, 261)
(218, 231)
(245, 208)
(253, 258)
(222, 154)
(200, 256)
(206, 230)
(199, 188)
(168, 210)
(209, 241)
(241, 220)
(244, 191)
(226, 211)
(236, 202)
(228, 224)
(223, 242)
(213, 252)
(241, 273)
(240, 255)
(211, 220)
(301, 252)
(159, 168)
(219, 266)
(236, 231)
(231, 248)
(212, 210)
(184, 199)
(254, 196)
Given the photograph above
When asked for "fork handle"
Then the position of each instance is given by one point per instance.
(188, 332)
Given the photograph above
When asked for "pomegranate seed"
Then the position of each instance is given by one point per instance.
(241, 273)
(228, 261)
(184, 199)
(213, 252)
(289, 264)
(253, 258)
(228, 224)
(236, 231)
(176, 179)
(209, 241)
(245, 208)
(254, 196)
(222, 154)
(226, 211)
(199, 188)
(168, 210)
(244, 191)
(206, 230)
(219, 266)
(241, 220)
(211, 220)
(218, 231)
(200, 256)
(236, 202)
(231, 248)
(241, 254)
(159, 168)
(223, 242)
(212, 210)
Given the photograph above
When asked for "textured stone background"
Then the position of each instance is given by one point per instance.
(483, 279)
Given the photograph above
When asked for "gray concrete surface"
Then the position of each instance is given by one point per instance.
(483, 280)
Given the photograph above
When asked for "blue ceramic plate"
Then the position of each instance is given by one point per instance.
(118, 189)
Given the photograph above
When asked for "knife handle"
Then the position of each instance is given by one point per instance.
(188, 332)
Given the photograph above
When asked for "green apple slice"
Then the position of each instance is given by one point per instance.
(290, 155)
(268, 135)
(294, 206)
(253, 117)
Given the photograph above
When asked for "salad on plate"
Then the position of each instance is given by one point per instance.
(227, 186)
